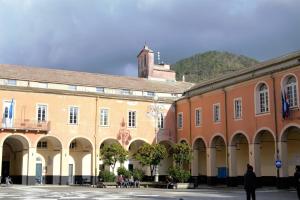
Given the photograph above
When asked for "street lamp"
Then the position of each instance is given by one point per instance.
(154, 112)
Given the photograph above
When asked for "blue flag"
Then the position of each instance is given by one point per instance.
(285, 105)
(11, 109)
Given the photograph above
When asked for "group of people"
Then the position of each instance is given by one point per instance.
(250, 182)
(126, 182)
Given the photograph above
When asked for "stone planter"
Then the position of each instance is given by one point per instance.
(185, 185)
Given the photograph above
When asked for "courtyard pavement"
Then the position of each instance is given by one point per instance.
(76, 192)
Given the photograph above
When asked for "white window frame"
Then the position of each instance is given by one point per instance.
(217, 118)
(102, 117)
(291, 87)
(198, 117)
(71, 121)
(238, 116)
(100, 89)
(37, 112)
(263, 98)
(132, 119)
(11, 82)
(72, 87)
(180, 120)
(160, 121)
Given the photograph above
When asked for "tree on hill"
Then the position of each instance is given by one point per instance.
(209, 65)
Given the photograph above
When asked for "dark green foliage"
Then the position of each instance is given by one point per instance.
(107, 176)
(180, 175)
(112, 153)
(123, 171)
(138, 174)
(151, 155)
(209, 65)
(182, 155)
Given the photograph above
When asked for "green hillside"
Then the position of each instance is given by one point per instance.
(209, 65)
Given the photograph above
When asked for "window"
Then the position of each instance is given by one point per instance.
(217, 114)
(73, 115)
(125, 92)
(42, 145)
(6, 112)
(12, 82)
(132, 119)
(238, 108)
(198, 117)
(100, 89)
(72, 87)
(41, 113)
(263, 98)
(291, 91)
(150, 94)
(160, 121)
(104, 117)
(180, 120)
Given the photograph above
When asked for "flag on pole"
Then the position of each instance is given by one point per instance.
(285, 105)
(11, 109)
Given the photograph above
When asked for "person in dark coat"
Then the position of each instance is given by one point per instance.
(297, 180)
(250, 182)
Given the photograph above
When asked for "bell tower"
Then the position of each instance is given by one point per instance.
(145, 62)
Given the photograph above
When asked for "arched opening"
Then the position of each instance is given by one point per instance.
(239, 158)
(102, 166)
(199, 164)
(290, 147)
(218, 159)
(165, 164)
(80, 161)
(264, 154)
(133, 163)
(14, 159)
(48, 172)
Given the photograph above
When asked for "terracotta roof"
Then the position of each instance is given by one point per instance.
(89, 79)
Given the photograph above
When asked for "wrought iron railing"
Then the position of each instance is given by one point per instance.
(25, 125)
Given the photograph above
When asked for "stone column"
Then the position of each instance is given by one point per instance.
(211, 165)
(232, 164)
(1, 152)
(254, 158)
(283, 181)
(31, 166)
(64, 166)
(195, 163)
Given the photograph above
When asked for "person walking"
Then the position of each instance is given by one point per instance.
(250, 182)
(297, 180)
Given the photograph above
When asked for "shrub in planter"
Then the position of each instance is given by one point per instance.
(138, 174)
(123, 171)
(107, 176)
(179, 175)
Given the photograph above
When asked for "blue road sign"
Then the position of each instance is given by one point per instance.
(278, 164)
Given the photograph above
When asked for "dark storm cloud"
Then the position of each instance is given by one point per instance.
(105, 36)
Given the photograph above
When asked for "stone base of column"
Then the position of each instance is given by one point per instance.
(63, 180)
(284, 182)
(212, 180)
(31, 180)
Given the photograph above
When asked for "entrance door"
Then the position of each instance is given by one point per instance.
(5, 170)
(38, 173)
(8, 108)
(70, 181)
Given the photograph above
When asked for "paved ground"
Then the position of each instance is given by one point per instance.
(65, 192)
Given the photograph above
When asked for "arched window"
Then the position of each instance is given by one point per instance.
(263, 98)
(291, 91)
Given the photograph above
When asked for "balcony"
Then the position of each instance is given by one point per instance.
(25, 125)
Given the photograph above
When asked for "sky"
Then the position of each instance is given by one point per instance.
(105, 36)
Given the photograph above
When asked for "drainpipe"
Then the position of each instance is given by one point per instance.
(226, 134)
(95, 141)
(276, 127)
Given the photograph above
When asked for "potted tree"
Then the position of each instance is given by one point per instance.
(180, 173)
(151, 155)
